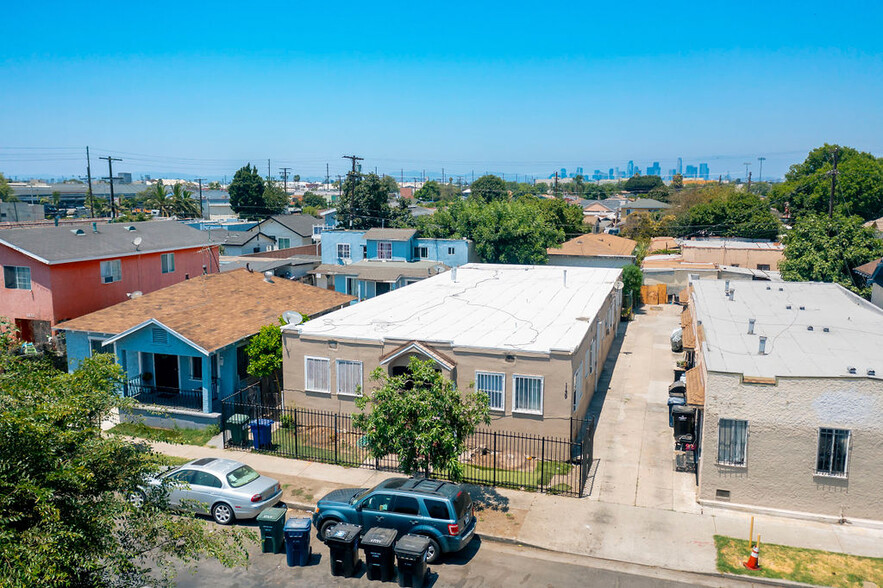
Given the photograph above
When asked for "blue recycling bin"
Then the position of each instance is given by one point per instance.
(297, 542)
(672, 402)
(261, 433)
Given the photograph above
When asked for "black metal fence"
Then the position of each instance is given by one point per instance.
(163, 396)
(492, 458)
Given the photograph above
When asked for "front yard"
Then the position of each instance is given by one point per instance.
(182, 436)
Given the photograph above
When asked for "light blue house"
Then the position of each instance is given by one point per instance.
(182, 348)
(365, 264)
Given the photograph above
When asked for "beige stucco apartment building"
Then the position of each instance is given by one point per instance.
(534, 338)
(755, 255)
(788, 385)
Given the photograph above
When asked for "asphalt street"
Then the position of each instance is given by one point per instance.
(480, 564)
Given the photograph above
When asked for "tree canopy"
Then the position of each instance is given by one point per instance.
(66, 520)
(429, 192)
(858, 188)
(632, 280)
(823, 249)
(313, 199)
(6, 193)
(642, 184)
(724, 212)
(421, 417)
(489, 188)
(248, 195)
(364, 202)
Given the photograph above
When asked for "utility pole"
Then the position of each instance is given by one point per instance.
(201, 209)
(268, 168)
(833, 173)
(444, 180)
(89, 178)
(749, 181)
(747, 163)
(556, 185)
(110, 160)
(327, 177)
(353, 159)
(760, 171)
(284, 171)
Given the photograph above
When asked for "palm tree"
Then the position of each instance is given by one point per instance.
(158, 198)
(182, 203)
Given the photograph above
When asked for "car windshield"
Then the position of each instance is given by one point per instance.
(242, 476)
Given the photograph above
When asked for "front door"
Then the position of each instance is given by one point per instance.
(166, 371)
(381, 288)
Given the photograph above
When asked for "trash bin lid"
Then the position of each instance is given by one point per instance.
(344, 532)
(238, 419)
(379, 537)
(673, 400)
(412, 545)
(273, 514)
(261, 423)
(298, 524)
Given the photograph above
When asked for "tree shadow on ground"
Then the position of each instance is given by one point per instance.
(487, 498)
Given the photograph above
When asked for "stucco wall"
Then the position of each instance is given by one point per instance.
(783, 427)
(592, 260)
(749, 258)
(33, 304)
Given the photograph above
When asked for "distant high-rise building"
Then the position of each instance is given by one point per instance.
(616, 173)
(597, 175)
(630, 170)
(610, 175)
(703, 171)
(562, 173)
(579, 171)
(680, 166)
(671, 173)
(654, 170)
(692, 171)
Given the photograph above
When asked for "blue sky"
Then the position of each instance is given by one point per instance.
(514, 88)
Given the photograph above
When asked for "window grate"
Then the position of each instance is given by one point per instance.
(491, 384)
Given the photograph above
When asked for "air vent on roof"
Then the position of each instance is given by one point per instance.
(78, 232)
(826, 329)
(809, 327)
(751, 326)
(787, 307)
(761, 347)
(768, 288)
(871, 372)
(850, 369)
(781, 289)
(160, 336)
(802, 308)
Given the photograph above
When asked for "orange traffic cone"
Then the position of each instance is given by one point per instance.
(752, 563)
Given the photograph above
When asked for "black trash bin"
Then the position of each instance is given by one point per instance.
(297, 542)
(411, 558)
(379, 553)
(343, 542)
(272, 522)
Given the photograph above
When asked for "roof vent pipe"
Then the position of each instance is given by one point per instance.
(751, 326)
(727, 287)
(565, 278)
(761, 348)
(268, 276)
(453, 274)
(731, 293)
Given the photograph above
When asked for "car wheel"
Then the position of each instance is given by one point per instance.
(136, 499)
(433, 552)
(325, 528)
(222, 513)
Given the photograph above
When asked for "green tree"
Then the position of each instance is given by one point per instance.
(8, 335)
(632, 280)
(66, 520)
(421, 417)
(642, 184)
(182, 202)
(264, 352)
(677, 182)
(390, 184)
(659, 193)
(158, 198)
(823, 249)
(275, 199)
(858, 189)
(429, 192)
(313, 199)
(561, 215)
(489, 188)
(728, 213)
(6, 192)
(214, 185)
(364, 202)
(247, 194)
(295, 178)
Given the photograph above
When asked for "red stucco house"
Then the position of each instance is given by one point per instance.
(52, 274)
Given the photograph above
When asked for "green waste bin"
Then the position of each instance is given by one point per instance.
(272, 523)
(238, 426)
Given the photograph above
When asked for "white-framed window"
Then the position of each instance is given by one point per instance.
(343, 250)
(421, 252)
(168, 262)
(384, 250)
(577, 386)
(352, 286)
(317, 374)
(317, 230)
(16, 277)
(593, 355)
(349, 377)
(96, 346)
(832, 456)
(493, 384)
(283, 243)
(527, 394)
(111, 271)
(732, 442)
(450, 250)
(196, 368)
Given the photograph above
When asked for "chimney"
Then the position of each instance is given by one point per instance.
(751, 326)
(761, 349)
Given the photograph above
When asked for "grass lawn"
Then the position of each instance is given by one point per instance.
(284, 440)
(517, 478)
(810, 566)
(173, 460)
(184, 436)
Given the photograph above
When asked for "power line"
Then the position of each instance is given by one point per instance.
(110, 160)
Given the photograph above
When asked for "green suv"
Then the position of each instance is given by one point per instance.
(440, 511)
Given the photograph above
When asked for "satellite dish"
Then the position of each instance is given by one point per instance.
(137, 242)
(292, 318)
(618, 285)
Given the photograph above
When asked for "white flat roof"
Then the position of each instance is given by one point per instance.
(854, 337)
(506, 307)
(731, 244)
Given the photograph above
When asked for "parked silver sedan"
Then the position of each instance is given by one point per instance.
(224, 488)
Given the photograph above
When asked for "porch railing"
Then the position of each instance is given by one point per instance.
(163, 395)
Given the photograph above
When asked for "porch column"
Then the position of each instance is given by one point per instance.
(207, 383)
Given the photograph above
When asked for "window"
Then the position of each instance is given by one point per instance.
(317, 374)
(242, 476)
(577, 386)
(763, 266)
(343, 250)
(111, 271)
(528, 394)
(421, 252)
(492, 385)
(205, 479)
(593, 356)
(195, 368)
(450, 250)
(349, 377)
(168, 262)
(833, 452)
(95, 346)
(317, 230)
(283, 243)
(384, 250)
(352, 287)
(406, 505)
(437, 509)
(17, 277)
(241, 363)
(364, 251)
(732, 439)
(378, 502)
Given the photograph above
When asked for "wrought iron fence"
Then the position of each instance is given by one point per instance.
(163, 396)
(492, 458)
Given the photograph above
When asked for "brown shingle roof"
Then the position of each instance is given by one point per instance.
(695, 387)
(598, 244)
(867, 270)
(214, 310)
